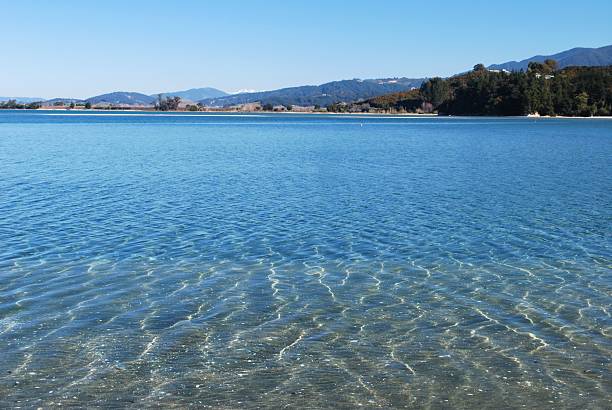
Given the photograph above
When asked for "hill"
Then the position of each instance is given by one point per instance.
(324, 94)
(22, 100)
(63, 100)
(578, 56)
(122, 98)
(571, 91)
(195, 94)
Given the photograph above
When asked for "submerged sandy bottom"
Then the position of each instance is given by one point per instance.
(322, 265)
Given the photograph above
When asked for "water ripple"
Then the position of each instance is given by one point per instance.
(403, 265)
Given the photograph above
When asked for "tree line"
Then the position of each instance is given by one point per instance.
(542, 89)
(14, 105)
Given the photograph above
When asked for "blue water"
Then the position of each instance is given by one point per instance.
(304, 261)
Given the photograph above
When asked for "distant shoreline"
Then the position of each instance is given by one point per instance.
(194, 113)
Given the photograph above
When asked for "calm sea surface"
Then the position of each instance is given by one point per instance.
(304, 261)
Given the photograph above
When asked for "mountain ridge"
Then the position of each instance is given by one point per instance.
(323, 94)
(122, 97)
(22, 100)
(327, 93)
(195, 94)
(577, 56)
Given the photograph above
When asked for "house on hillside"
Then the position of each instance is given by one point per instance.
(546, 76)
(503, 70)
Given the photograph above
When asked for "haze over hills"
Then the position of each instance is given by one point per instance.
(578, 56)
(114, 98)
(22, 100)
(64, 100)
(129, 98)
(195, 94)
(324, 94)
(122, 97)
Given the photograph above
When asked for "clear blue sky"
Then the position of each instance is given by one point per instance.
(83, 48)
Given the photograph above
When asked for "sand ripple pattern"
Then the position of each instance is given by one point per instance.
(305, 262)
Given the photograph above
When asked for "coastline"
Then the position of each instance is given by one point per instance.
(252, 112)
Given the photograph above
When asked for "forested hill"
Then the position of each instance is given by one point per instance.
(572, 91)
(324, 94)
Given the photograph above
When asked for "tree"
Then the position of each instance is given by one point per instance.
(168, 103)
(436, 91)
(582, 104)
(338, 107)
(550, 65)
(289, 107)
(34, 105)
(11, 104)
(87, 105)
(535, 67)
(268, 107)
(173, 103)
(72, 105)
(479, 67)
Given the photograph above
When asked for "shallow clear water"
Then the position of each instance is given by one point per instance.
(304, 261)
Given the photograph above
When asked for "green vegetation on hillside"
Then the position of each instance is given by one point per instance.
(14, 105)
(167, 103)
(572, 91)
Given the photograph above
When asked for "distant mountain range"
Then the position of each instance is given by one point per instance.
(324, 94)
(22, 100)
(122, 97)
(132, 98)
(578, 56)
(196, 94)
(63, 100)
